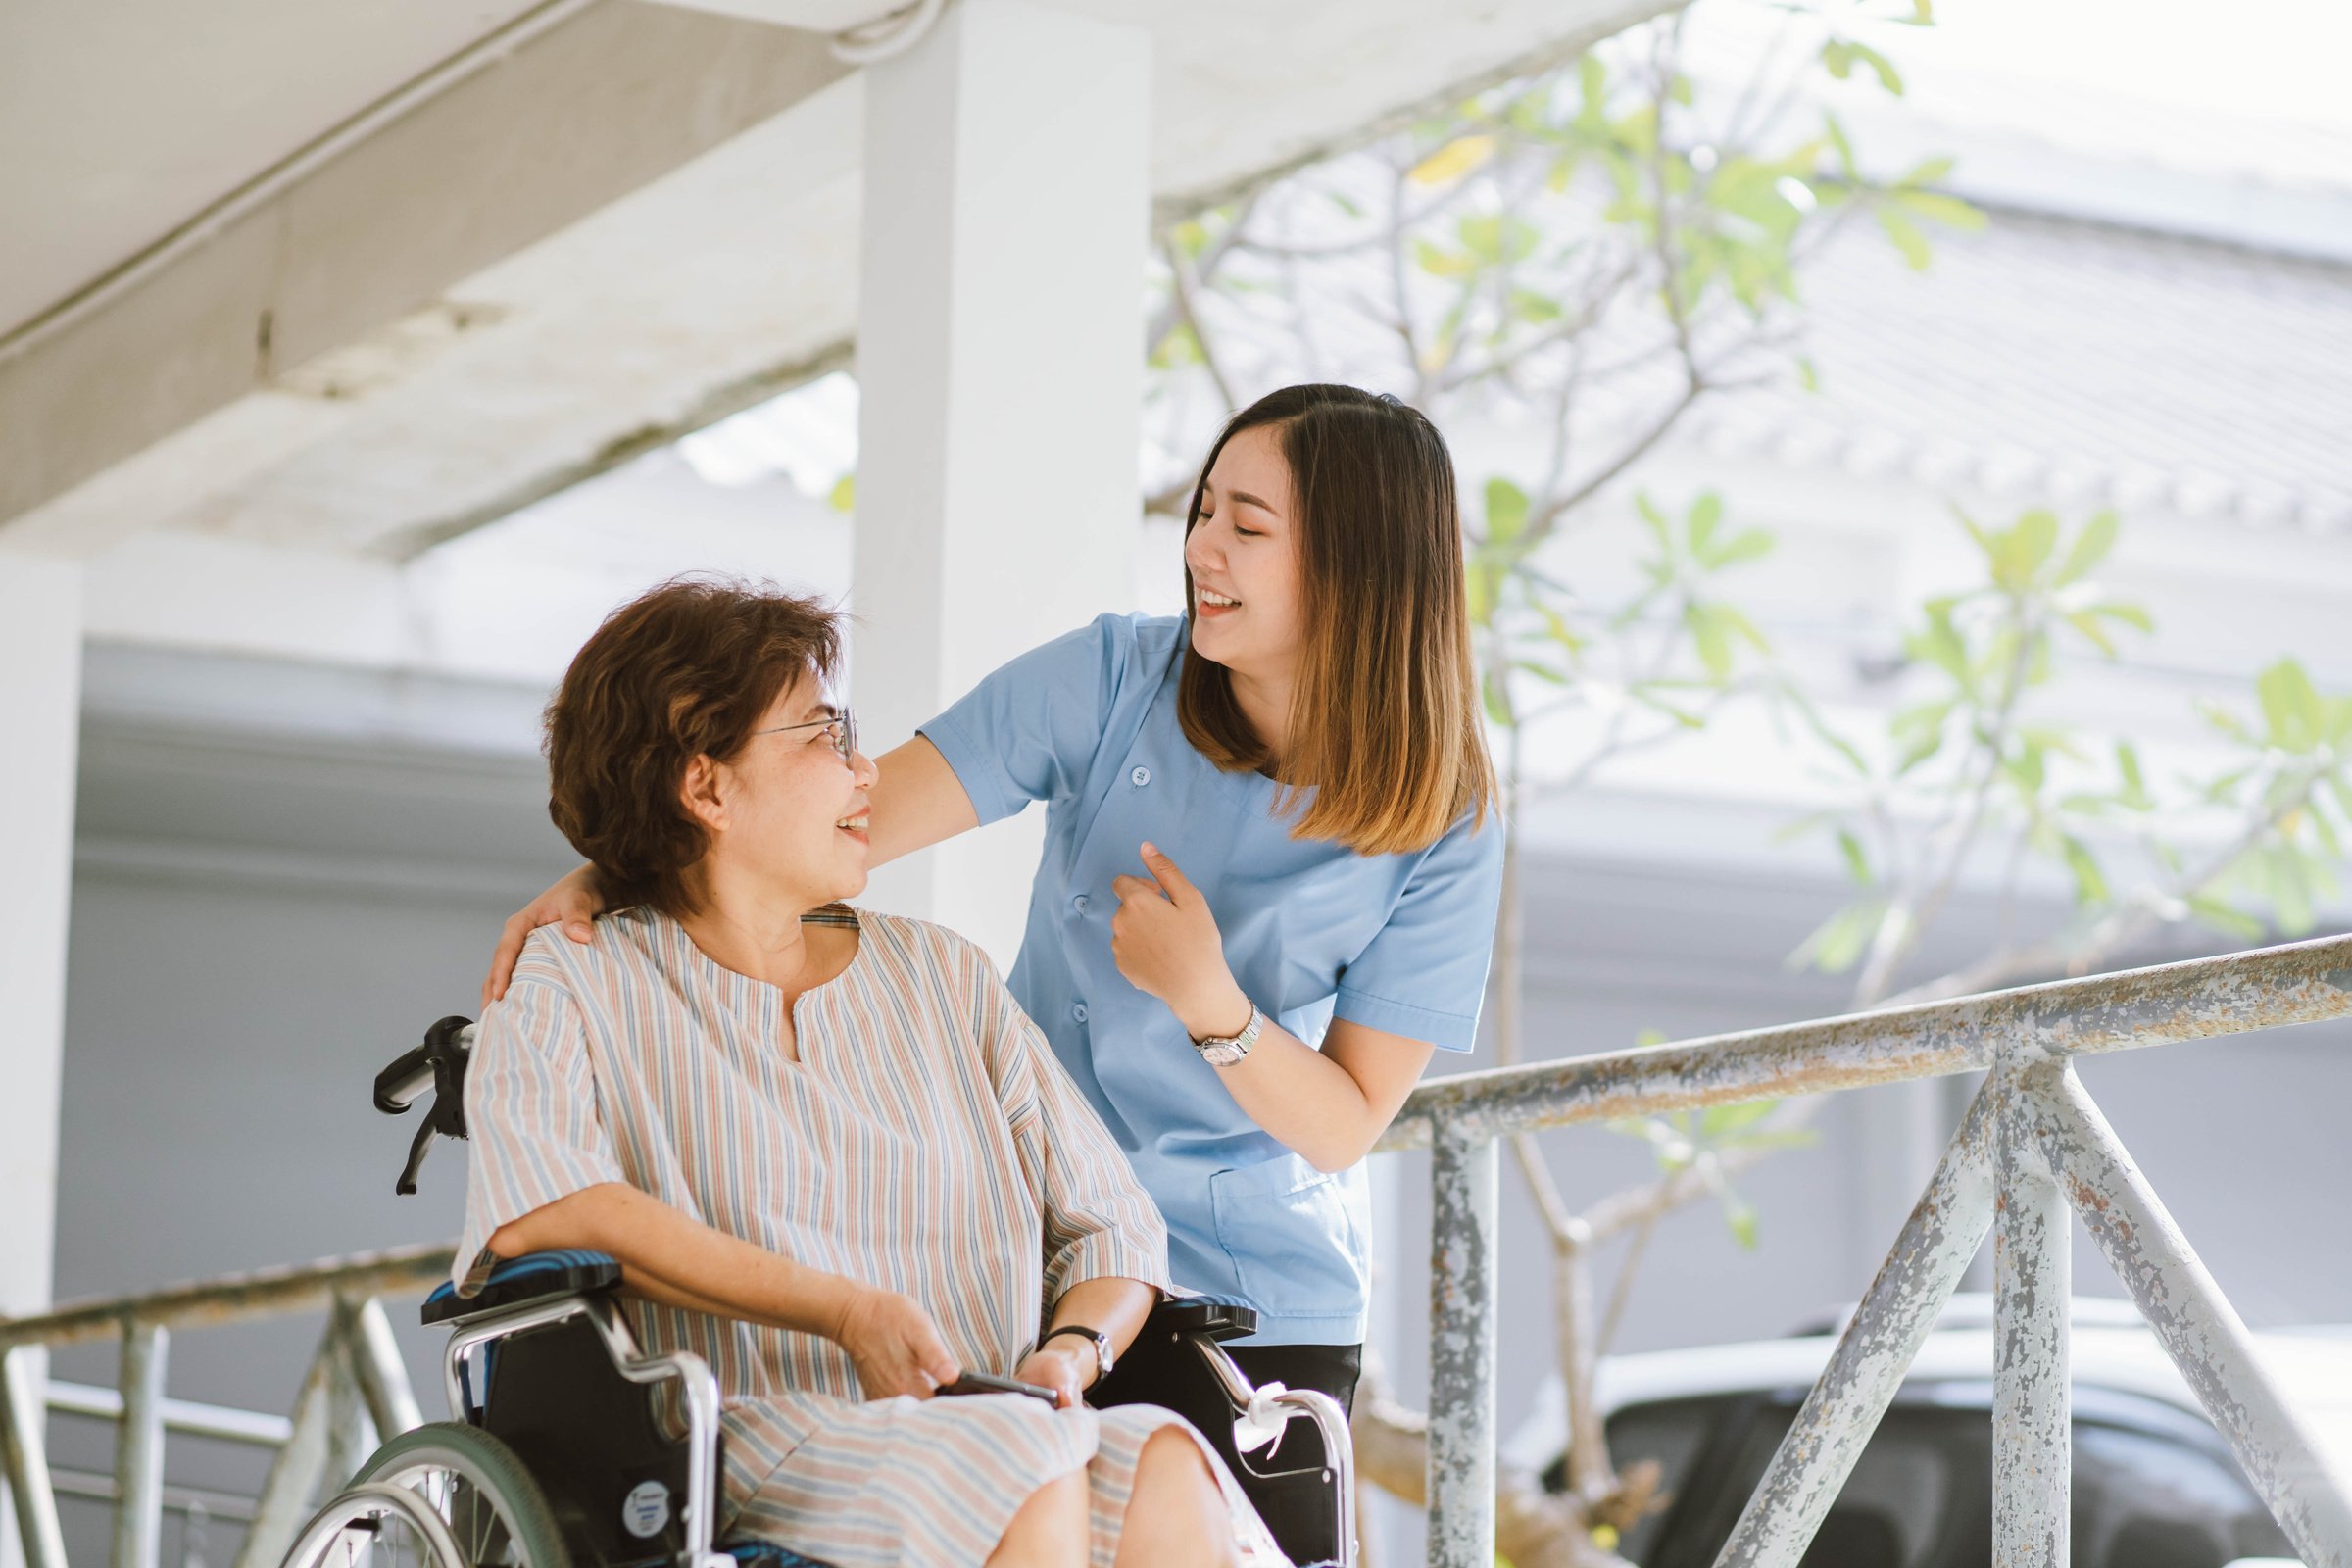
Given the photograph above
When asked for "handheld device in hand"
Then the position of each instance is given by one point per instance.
(984, 1383)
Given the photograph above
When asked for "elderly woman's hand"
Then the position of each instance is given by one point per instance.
(1165, 941)
(1065, 1365)
(894, 1345)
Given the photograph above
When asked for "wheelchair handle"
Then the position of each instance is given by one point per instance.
(438, 1064)
(398, 1085)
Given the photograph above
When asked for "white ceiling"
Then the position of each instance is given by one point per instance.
(121, 118)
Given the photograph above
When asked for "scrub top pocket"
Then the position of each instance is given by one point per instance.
(1296, 1235)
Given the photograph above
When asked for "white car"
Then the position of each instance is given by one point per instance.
(2154, 1485)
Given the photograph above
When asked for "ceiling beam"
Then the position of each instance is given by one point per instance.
(559, 127)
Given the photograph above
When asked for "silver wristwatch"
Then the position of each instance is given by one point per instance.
(1223, 1051)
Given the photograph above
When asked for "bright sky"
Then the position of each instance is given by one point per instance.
(2263, 58)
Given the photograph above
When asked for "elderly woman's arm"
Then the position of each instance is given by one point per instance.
(678, 1259)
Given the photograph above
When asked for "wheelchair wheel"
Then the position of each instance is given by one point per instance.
(444, 1495)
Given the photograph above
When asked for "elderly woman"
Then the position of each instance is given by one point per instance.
(832, 1155)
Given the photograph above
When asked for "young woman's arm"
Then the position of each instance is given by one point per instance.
(916, 801)
(673, 1258)
(1329, 1106)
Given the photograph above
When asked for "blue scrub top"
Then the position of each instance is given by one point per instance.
(1400, 943)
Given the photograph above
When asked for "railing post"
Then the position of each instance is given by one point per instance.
(1939, 1240)
(139, 1448)
(25, 1444)
(2195, 1323)
(384, 1376)
(277, 1514)
(347, 1436)
(1461, 1351)
(2032, 1270)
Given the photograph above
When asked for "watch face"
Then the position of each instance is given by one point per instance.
(1224, 1053)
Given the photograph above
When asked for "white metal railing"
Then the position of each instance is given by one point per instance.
(2031, 1148)
(355, 1390)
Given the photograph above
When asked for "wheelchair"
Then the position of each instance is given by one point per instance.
(573, 1448)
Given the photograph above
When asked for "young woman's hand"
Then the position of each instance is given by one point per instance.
(1065, 1365)
(575, 902)
(894, 1345)
(1165, 941)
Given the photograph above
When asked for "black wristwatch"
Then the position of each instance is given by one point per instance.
(1103, 1356)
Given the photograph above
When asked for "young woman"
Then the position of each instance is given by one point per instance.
(1271, 870)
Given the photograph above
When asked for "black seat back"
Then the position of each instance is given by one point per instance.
(598, 1443)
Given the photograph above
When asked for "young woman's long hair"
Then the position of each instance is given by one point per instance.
(1385, 751)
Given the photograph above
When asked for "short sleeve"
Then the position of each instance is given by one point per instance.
(533, 1134)
(1030, 730)
(1422, 974)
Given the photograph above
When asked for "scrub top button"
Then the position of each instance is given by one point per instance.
(1142, 776)
(1078, 1011)
(1079, 903)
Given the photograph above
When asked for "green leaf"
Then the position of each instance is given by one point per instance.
(1716, 1122)
(1907, 237)
(2089, 625)
(843, 495)
(1654, 521)
(1497, 709)
(2290, 706)
(1506, 510)
(2090, 882)
(1935, 207)
(1740, 1215)
(1845, 147)
(1880, 65)
(1706, 515)
(2223, 917)
(2090, 547)
(1837, 942)
(1711, 635)
(2134, 792)
(1442, 262)
(1748, 544)
(1857, 861)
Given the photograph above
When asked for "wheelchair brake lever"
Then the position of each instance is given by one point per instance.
(419, 1148)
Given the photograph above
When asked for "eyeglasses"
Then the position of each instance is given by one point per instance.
(844, 737)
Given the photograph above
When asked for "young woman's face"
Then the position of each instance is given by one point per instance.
(789, 810)
(1243, 553)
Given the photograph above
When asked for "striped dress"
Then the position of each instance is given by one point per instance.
(925, 1141)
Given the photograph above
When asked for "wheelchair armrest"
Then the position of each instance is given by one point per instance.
(568, 1271)
(1219, 1317)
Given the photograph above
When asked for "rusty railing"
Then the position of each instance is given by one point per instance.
(2031, 1147)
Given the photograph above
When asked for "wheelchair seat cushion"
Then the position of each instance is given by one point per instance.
(567, 1271)
(768, 1554)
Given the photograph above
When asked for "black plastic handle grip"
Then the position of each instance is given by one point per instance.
(398, 1085)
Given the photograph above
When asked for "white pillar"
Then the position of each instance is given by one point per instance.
(40, 726)
(999, 366)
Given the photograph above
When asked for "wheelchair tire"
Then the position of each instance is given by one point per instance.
(447, 1494)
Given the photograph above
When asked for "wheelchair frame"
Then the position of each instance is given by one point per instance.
(698, 1388)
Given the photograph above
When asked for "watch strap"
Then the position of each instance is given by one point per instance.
(1100, 1340)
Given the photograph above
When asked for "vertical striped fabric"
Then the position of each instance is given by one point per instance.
(925, 1141)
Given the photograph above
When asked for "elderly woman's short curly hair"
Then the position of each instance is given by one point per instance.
(683, 670)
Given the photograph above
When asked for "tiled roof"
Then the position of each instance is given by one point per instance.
(2048, 359)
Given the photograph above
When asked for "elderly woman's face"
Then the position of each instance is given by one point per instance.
(791, 809)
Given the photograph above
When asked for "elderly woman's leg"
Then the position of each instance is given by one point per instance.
(1176, 1516)
(1051, 1528)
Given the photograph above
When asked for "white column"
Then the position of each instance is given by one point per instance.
(40, 724)
(999, 366)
